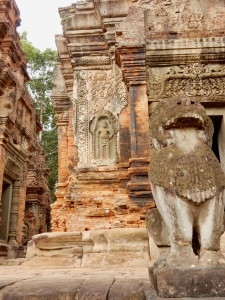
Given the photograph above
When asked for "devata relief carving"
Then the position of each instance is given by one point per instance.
(95, 93)
(187, 180)
(104, 130)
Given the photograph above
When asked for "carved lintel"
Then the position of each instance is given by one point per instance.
(193, 80)
(12, 168)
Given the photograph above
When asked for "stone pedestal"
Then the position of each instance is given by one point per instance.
(12, 251)
(188, 282)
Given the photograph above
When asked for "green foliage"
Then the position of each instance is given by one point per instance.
(41, 67)
(63, 20)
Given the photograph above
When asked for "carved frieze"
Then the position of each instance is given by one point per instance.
(81, 120)
(190, 80)
(13, 168)
(91, 60)
(183, 17)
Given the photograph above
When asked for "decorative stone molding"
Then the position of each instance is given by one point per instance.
(199, 42)
(81, 118)
(91, 60)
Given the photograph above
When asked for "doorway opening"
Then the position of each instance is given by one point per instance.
(217, 121)
(6, 208)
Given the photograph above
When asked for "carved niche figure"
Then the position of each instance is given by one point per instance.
(104, 138)
(104, 134)
(187, 181)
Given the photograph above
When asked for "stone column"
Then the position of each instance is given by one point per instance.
(134, 73)
(13, 246)
(139, 188)
(61, 102)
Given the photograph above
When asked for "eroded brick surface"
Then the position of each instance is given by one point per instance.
(24, 194)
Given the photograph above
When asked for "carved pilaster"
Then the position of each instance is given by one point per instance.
(134, 73)
(5, 126)
(14, 212)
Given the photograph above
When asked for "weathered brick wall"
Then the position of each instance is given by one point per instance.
(96, 191)
(23, 171)
(114, 67)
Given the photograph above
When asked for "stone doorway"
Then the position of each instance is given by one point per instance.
(6, 208)
(217, 115)
(217, 121)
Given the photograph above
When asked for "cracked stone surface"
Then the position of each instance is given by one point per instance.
(18, 282)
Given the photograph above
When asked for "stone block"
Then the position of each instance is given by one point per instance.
(67, 252)
(4, 283)
(117, 247)
(188, 282)
(87, 243)
(95, 289)
(56, 240)
(43, 289)
(30, 249)
(12, 251)
(99, 240)
(99, 212)
(121, 201)
(127, 240)
(132, 219)
(53, 262)
(115, 259)
(124, 290)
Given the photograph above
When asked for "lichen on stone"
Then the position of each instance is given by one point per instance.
(196, 175)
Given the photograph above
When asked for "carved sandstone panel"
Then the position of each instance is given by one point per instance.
(13, 167)
(98, 96)
(185, 18)
(104, 128)
(190, 80)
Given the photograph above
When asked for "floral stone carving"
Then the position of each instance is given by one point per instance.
(99, 96)
(189, 80)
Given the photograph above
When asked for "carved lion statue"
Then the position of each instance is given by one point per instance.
(187, 180)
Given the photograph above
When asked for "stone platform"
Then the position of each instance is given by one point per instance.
(201, 282)
(18, 282)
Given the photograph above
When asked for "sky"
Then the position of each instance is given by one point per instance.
(41, 20)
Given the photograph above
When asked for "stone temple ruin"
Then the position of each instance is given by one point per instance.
(117, 60)
(24, 194)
